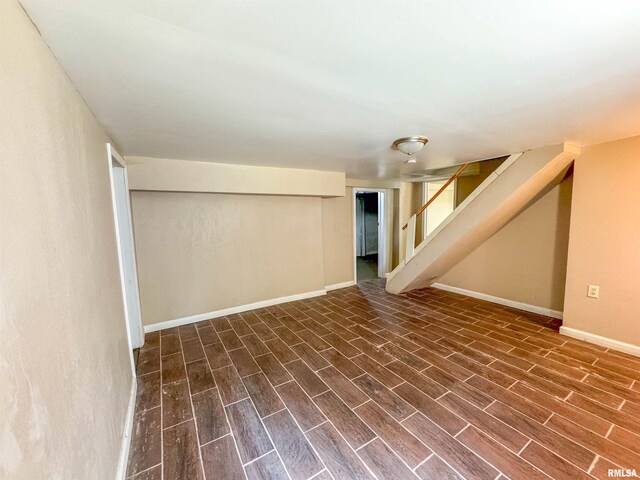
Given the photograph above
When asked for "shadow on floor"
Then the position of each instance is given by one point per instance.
(367, 267)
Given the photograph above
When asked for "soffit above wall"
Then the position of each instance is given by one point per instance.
(188, 176)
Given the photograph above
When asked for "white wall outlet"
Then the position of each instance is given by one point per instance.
(593, 291)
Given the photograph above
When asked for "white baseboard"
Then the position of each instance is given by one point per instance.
(337, 286)
(229, 311)
(501, 301)
(128, 432)
(602, 341)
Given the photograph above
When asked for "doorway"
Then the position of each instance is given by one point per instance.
(370, 244)
(125, 245)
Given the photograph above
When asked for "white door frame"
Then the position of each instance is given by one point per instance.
(385, 208)
(130, 293)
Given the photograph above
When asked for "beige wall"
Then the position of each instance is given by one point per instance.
(466, 184)
(604, 243)
(158, 174)
(337, 236)
(526, 260)
(203, 252)
(65, 375)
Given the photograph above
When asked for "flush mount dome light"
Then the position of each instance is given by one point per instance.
(410, 145)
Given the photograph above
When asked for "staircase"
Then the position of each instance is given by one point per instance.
(521, 180)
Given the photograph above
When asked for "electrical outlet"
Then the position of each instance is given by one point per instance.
(593, 291)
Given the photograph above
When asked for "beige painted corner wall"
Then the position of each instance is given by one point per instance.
(203, 252)
(64, 362)
(604, 242)
(526, 260)
(337, 238)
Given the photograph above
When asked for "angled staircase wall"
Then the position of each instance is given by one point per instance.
(516, 184)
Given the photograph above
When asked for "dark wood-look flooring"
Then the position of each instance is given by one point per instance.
(363, 384)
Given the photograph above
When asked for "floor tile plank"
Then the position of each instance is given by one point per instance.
(342, 387)
(403, 443)
(243, 361)
(268, 467)
(176, 403)
(455, 454)
(180, 452)
(496, 429)
(251, 437)
(435, 468)
(377, 371)
(440, 415)
(309, 356)
(306, 378)
(148, 361)
(173, 368)
(216, 356)
(296, 453)
(550, 463)
(211, 419)
(506, 461)
(273, 369)
(303, 409)
(146, 441)
(572, 451)
(229, 385)
(339, 458)
(262, 393)
(148, 391)
(254, 344)
(199, 376)
(221, 461)
(354, 430)
(385, 398)
(384, 463)
(342, 363)
(192, 350)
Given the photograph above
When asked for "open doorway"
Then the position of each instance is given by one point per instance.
(370, 241)
(126, 251)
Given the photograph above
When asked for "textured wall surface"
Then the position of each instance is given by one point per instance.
(65, 370)
(604, 242)
(337, 238)
(526, 260)
(203, 252)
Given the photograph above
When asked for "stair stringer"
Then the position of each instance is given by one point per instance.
(515, 185)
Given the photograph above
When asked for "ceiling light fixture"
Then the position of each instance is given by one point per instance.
(410, 145)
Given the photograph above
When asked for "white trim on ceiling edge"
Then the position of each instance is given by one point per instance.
(244, 308)
(127, 432)
(602, 341)
(501, 301)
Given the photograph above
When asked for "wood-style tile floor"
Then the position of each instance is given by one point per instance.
(363, 384)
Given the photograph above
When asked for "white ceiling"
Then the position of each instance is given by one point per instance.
(329, 84)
